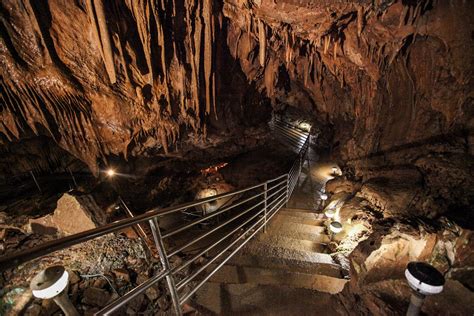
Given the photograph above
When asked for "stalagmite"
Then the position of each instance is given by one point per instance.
(262, 39)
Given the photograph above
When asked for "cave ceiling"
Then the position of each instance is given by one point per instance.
(117, 78)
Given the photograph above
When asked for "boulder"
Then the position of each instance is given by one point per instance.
(73, 214)
(340, 184)
(387, 251)
(392, 198)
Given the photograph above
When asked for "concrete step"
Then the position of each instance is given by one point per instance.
(295, 218)
(297, 210)
(254, 275)
(271, 255)
(318, 245)
(302, 214)
(280, 226)
(255, 299)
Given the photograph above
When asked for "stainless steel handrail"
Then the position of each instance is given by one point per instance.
(265, 201)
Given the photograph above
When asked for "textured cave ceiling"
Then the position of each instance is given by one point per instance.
(122, 77)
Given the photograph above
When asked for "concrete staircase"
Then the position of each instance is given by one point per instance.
(283, 271)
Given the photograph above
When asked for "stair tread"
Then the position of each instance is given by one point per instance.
(286, 263)
(311, 215)
(300, 210)
(268, 250)
(299, 219)
(258, 275)
(282, 224)
(293, 243)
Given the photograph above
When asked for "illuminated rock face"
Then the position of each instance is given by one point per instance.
(122, 78)
(391, 81)
(118, 79)
(378, 264)
(74, 214)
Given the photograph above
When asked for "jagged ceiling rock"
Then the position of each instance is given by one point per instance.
(112, 78)
(393, 71)
(393, 80)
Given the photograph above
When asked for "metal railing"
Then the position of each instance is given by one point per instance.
(234, 225)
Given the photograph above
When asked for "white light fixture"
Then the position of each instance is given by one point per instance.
(335, 227)
(323, 196)
(110, 172)
(424, 279)
(334, 170)
(305, 126)
(330, 213)
(51, 283)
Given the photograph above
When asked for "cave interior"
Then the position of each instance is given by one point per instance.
(352, 120)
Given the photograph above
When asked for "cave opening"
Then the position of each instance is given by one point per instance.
(236, 157)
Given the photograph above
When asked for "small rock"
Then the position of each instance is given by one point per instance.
(74, 277)
(163, 303)
(49, 307)
(136, 303)
(152, 293)
(95, 297)
(100, 283)
(175, 261)
(33, 310)
(122, 274)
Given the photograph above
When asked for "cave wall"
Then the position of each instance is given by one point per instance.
(117, 78)
(392, 81)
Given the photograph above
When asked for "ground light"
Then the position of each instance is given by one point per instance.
(330, 213)
(304, 126)
(334, 170)
(110, 172)
(335, 227)
(424, 280)
(52, 283)
(323, 196)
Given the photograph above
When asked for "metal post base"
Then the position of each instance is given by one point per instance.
(416, 301)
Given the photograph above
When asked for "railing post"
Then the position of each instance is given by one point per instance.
(287, 188)
(36, 182)
(73, 178)
(155, 228)
(265, 188)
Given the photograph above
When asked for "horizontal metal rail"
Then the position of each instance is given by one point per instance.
(254, 206)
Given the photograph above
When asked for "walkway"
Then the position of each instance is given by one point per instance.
(287, 270)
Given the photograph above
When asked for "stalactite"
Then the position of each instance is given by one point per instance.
(360, 20)
(327, 41)
(96, 13)
(262, 39)
(208, 52)
(403, 16)
(141, 13)
(197, 54)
